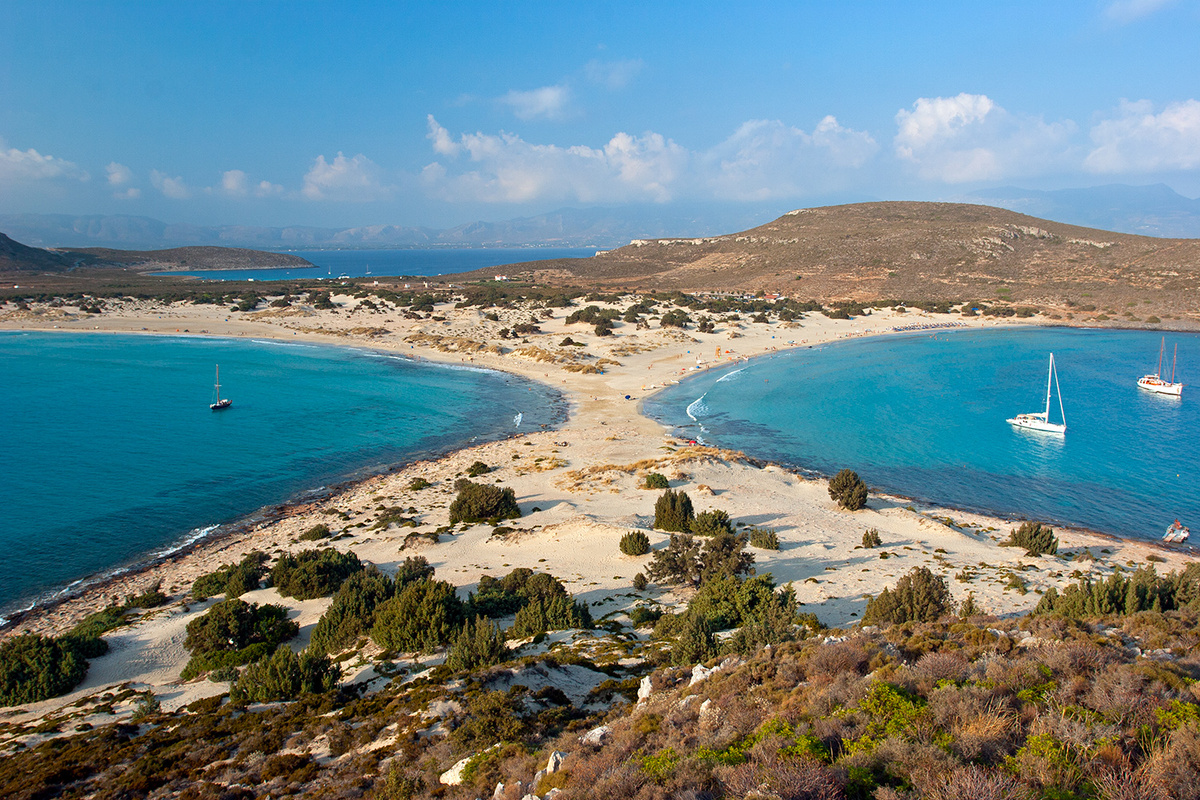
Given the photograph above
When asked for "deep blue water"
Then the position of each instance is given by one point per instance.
(924, 416)
(383, 263)
(109, 452)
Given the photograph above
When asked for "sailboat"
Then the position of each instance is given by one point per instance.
(219, 404)
(1155, 383)
(1040, 420)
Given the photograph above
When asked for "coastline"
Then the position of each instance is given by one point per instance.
(577, 485)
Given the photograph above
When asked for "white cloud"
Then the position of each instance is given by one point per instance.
(764, 159)
(344, 179)
(132, 193)
(30, 165)
(505, 168)
(613, 74)
(548, 102)
(118, 174)
(971, 138)
(174, 188)
(235, 183)
(1138, 140)
(1126, 11)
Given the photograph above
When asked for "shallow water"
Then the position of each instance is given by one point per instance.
(924, 416)
(110, 453)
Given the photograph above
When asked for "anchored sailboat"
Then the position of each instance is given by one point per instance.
(218, 403)
(1155, 383)
(1040, 420)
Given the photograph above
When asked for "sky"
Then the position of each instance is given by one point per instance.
(437, 114)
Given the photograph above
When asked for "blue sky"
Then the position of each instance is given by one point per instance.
(339, 114)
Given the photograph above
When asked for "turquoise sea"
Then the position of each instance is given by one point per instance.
(923, 416)
(412, 262)
(110, 454)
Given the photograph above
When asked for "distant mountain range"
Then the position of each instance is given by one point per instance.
(1156, 210)
(569, 227)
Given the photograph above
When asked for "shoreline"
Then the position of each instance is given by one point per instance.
(578, 486)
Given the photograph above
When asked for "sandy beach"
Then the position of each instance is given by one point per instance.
(577, 486)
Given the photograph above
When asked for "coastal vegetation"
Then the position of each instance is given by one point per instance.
(482, 502)
(848, 490)
(313, 573)
(635, 543)
(673, 511)
(232, 580)
(232, 633)
(1037, 539)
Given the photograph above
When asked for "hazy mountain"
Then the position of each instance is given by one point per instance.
(568, 227)
(1156, 210)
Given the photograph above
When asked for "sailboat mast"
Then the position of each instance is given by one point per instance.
(217, 385)
(1161, 348)
(1058, 388)
(1049, 376)
(1173, 359)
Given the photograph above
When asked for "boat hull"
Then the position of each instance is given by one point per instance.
(1156, 385)
(220, 405)
(1036, 423)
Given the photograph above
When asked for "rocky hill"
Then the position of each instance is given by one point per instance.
(195, 258)
(16, 257)
(906, 250)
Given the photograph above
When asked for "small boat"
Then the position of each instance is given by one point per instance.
(1176, 532)
(1040, 420)
(1155, 383)
(219, 404)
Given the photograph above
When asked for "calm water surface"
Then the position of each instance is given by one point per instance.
(924, 416)
(109, 452)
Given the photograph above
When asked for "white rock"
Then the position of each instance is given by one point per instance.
(644, 689)
(496, 795)
(699, 673)
(596, 735)
(557, 757)
(453, 776)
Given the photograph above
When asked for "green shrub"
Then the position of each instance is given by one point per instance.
(711, 523)
(541, 615)
(871, 538)
(848, 490)
(477, 469)
(764, 539)
(677, 563)
(656, 481)
(414, 568)
(480, 502)
(639, 582)
(284, 676)
(313, 573)
(232, 580)
(969, 607)
(320, 531)
(641, 616)
(635, 543)
(1035, 537)
(695, 643)
(417, 484)
(235, 632)
(352, 612)
(479, 644)
(920, 596)
(425, 615)
(34, 667)
(673, 511)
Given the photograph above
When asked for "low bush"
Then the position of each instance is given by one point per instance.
(920, 596)
(235, 632)
(477, 469)
(673, 511)
(232, 580)
(417, 484)
(635, 543)
(481, 502)
(352, 612)
(848, 490)
(871, 538)
(425, 615)
(764, 539)
(711, 523)
(656, 481)
(313, 573)
(34, 667)
(640, 582)
(316, 532)
(557, 613)
(479, 644)
(284, 676)
(1036, 538)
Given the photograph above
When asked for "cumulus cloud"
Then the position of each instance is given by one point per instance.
(548, 102)
(174, 188)
(765, 159)
(613, 74)
(1139, 140)
(970, 138)
(344, 179)
(30, 165)
(236, 183)
(118, 174)
(131, 193)
(504, 168)
(1126, 11)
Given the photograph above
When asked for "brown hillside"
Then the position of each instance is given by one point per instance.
(907, 250)
(17, 257)
(201, 257)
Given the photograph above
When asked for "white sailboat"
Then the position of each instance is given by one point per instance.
(1155, 383)
(1040, 420)
(219, 404)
